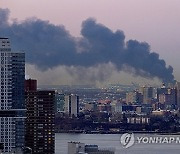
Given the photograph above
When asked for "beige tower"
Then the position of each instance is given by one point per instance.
(178, 93)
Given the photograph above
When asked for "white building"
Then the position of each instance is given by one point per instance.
(76, 147)
(81, 148)
(71, 104)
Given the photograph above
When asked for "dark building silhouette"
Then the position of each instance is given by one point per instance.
(30, 85)
(40, 135)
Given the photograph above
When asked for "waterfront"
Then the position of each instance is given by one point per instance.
(113, 141)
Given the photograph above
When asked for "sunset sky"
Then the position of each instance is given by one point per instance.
(156, 22)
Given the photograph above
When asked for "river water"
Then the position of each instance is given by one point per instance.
(113, 141)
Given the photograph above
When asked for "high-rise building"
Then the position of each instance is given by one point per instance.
(68, 104)
(148, 94)
(12, 106)
(40, 136)
(134, 98)
(169, 99)
(161, 91)
(178, 93)
(72, 104)
(59, 102)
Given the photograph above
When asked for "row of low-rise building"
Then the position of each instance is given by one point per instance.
(138, 120)
(81, 148)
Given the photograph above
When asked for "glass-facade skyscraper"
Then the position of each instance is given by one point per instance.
(12, 105)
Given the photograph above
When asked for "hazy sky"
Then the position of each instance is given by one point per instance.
(154, 21)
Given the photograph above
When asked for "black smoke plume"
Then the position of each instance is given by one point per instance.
(48, 46)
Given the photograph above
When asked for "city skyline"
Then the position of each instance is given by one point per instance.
(152, 22)
(32, 117)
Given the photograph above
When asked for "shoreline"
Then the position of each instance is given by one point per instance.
(117, 132)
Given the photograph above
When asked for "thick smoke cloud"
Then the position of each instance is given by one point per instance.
(48, 46)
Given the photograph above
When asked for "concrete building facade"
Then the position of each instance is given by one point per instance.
(72, 104)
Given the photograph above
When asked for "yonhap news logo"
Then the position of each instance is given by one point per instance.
(129, 139)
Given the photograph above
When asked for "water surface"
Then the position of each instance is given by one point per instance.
(113, 141)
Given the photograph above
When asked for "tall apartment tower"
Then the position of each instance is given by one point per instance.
(178, 93)
(134, 98)
(40, 136)
(162, 91)
(59, 102)
(71, 104)
(12, 105)
(148, 94)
